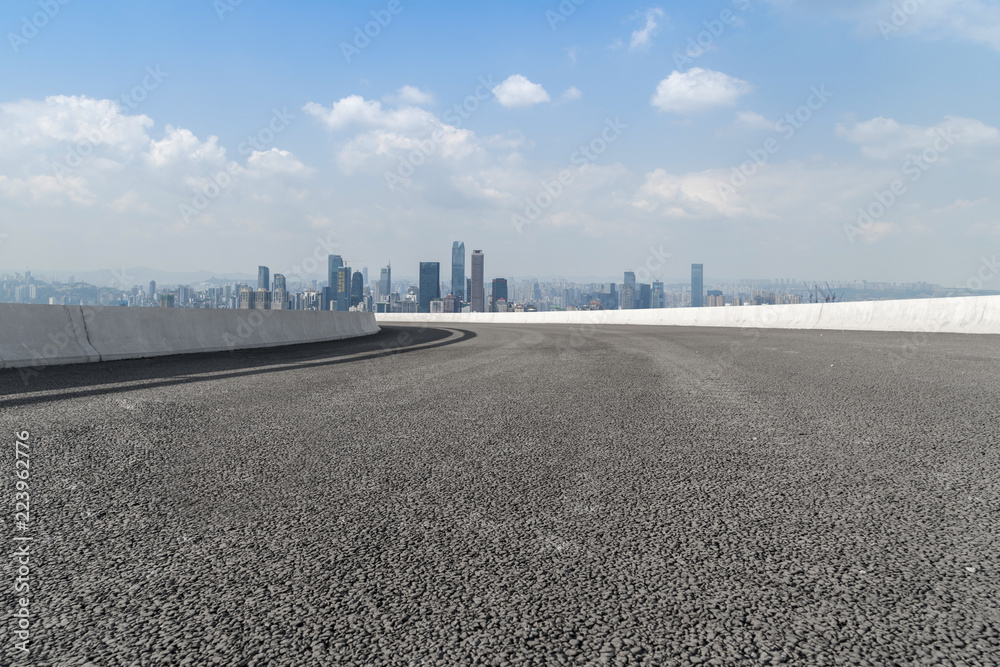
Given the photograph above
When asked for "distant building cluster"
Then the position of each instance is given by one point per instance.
(463, 289)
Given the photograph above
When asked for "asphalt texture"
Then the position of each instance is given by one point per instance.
(517, 495)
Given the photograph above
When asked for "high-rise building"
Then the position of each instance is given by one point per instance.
(262, 299)
(498, 292)
(630, 282)
(477, 298)
(458, 269)
(645, 296)
(430, 285)
(152, 288)
(357, 287)
(452, 304)
(657, 296)
(279, 282)
(246, 297)
(333, 264)
(697, 285)
(385, 283)
(166, 300)
(342, 288)
(364, 275)
(263, 278)
(626, 297)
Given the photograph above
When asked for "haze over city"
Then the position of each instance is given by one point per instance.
(567, 138)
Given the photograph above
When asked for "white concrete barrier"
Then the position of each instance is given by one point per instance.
(35, 335)
(972, 315)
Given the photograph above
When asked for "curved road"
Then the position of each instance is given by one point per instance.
(517, 495)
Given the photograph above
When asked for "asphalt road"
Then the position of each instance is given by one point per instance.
(517, 495)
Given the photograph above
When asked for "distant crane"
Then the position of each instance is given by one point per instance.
(828, 295)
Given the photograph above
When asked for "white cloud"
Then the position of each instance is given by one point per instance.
(750, 120)
(518, 92)
(642, 38)
(355, 110)
(888, 139)
(275, 161)
(972, 21)
(410, 95)
(181, 145)
(65, 119)
(572, 93)
(698, 89)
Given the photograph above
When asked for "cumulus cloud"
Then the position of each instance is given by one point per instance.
(85, 154)
(697, 90)
(275, 161)
(385, 137)
(642, 38)
(518, 92)
(750, 120)
(572, 93)
(71, 120)
(355, 110)
(410, 95)
(887, 139)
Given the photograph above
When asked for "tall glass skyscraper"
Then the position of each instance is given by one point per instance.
(342, 288)
(697, 285)
(430, 285)
(385, 283)
(630, 283)
(477, 299)
(334, 262)
(458, 269)
(498, 292)
(263, 278)
(357, 287)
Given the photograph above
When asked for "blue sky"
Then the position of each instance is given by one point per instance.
(370, 155)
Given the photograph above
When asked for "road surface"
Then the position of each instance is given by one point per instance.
(490, 494)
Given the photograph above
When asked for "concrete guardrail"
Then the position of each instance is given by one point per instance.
(973, 315)
(38, 335)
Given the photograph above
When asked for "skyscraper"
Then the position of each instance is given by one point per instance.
(630, 282)
(385, 283)
(499, 292)
(334, 264)
(458, 269)
(645, 296)
(697, 285)
(430, 285)
(263, 278)
(279, 282)
(152, 288)
(342, 288)
(357, 287)
(477, 298)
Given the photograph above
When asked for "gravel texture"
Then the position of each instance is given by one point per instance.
(517, 495)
